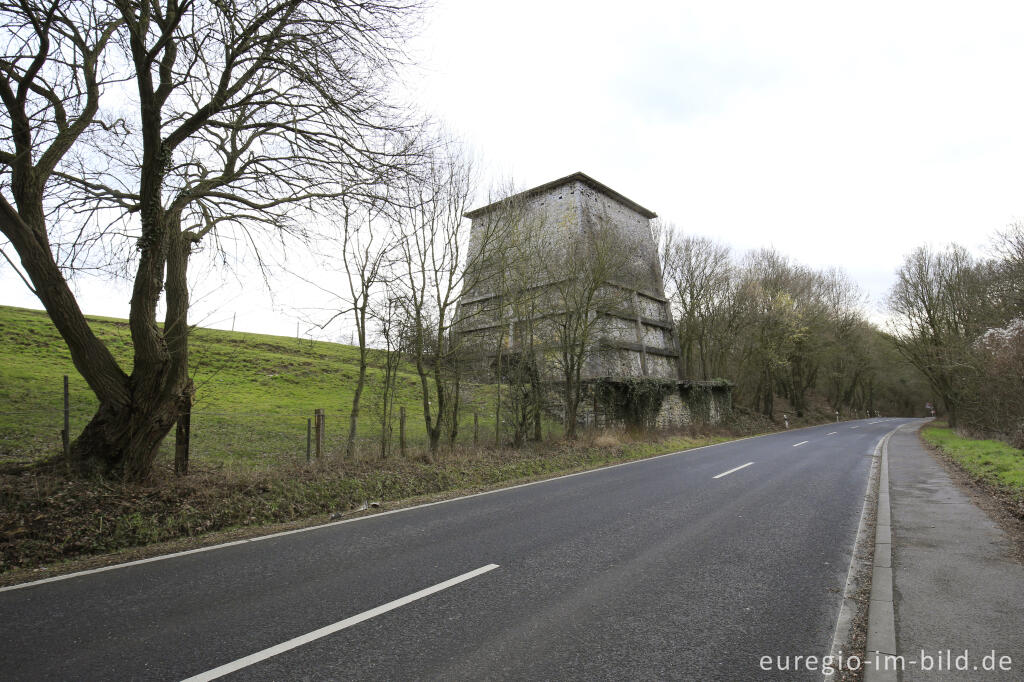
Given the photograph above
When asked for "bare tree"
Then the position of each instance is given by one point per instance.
(366, 248)
(1009, 277)
(243, 117)
(514, 260)
(940, 307)
(846, 362)
(433, 240)
(778, 329)
(583, 273)
(697, 273)
(526, 368)
(769, 329)
(367, 244)
(498, 308)
(52, 74)
(392, 330)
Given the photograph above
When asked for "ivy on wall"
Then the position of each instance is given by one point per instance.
(637, 400)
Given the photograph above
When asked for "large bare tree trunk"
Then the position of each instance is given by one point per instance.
(123, 438)
(135, 412)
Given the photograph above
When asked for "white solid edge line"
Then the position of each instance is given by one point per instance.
(245, 662)
(210, 548)
(803, 442)
(861, 527)
(726, 473)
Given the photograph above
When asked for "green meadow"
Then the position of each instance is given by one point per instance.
(254, 393)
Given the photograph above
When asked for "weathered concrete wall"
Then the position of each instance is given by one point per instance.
(597, 208)
(656, 337)
(686, 405)
(653, 308)
(673, 413)
(661, 367)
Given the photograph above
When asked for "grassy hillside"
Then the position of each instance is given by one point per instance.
(254, 391)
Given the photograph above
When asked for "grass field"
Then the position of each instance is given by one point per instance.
(991, 461)
(254, 392)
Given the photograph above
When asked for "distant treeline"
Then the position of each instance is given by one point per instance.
(778, 328)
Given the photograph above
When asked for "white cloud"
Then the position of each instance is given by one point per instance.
(840, 135)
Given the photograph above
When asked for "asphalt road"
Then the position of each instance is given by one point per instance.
(656, 569)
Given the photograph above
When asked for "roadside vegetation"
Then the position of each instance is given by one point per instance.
(959, 319)
(46, 517)
(991, 462)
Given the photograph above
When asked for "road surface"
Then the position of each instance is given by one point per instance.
(687, 566)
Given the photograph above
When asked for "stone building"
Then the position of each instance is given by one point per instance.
(632, 336)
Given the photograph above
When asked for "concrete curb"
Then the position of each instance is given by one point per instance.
(881, 642)
(848, 607)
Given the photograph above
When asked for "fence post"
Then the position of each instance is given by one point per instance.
(476, 429)
(401, 431)
(65, 433)
(318, 414)
(309, 437)
(183, 437)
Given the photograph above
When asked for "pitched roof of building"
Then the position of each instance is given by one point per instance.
(581, 177)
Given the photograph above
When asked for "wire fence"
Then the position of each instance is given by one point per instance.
(242, 438)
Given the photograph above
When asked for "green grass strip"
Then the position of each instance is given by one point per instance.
(990, 460)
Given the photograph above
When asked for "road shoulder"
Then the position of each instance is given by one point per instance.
(956, 580)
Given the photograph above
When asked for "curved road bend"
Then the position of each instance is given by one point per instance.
(691, 565)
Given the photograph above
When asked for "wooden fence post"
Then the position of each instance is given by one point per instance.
(476, 429)
(183, 437)
(318, 415)
(401, 431)
(65, 434)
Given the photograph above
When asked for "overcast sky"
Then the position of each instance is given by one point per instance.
(839, 134)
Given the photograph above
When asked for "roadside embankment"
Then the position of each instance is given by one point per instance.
(993, 466)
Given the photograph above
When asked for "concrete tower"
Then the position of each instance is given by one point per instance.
(634, 335)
